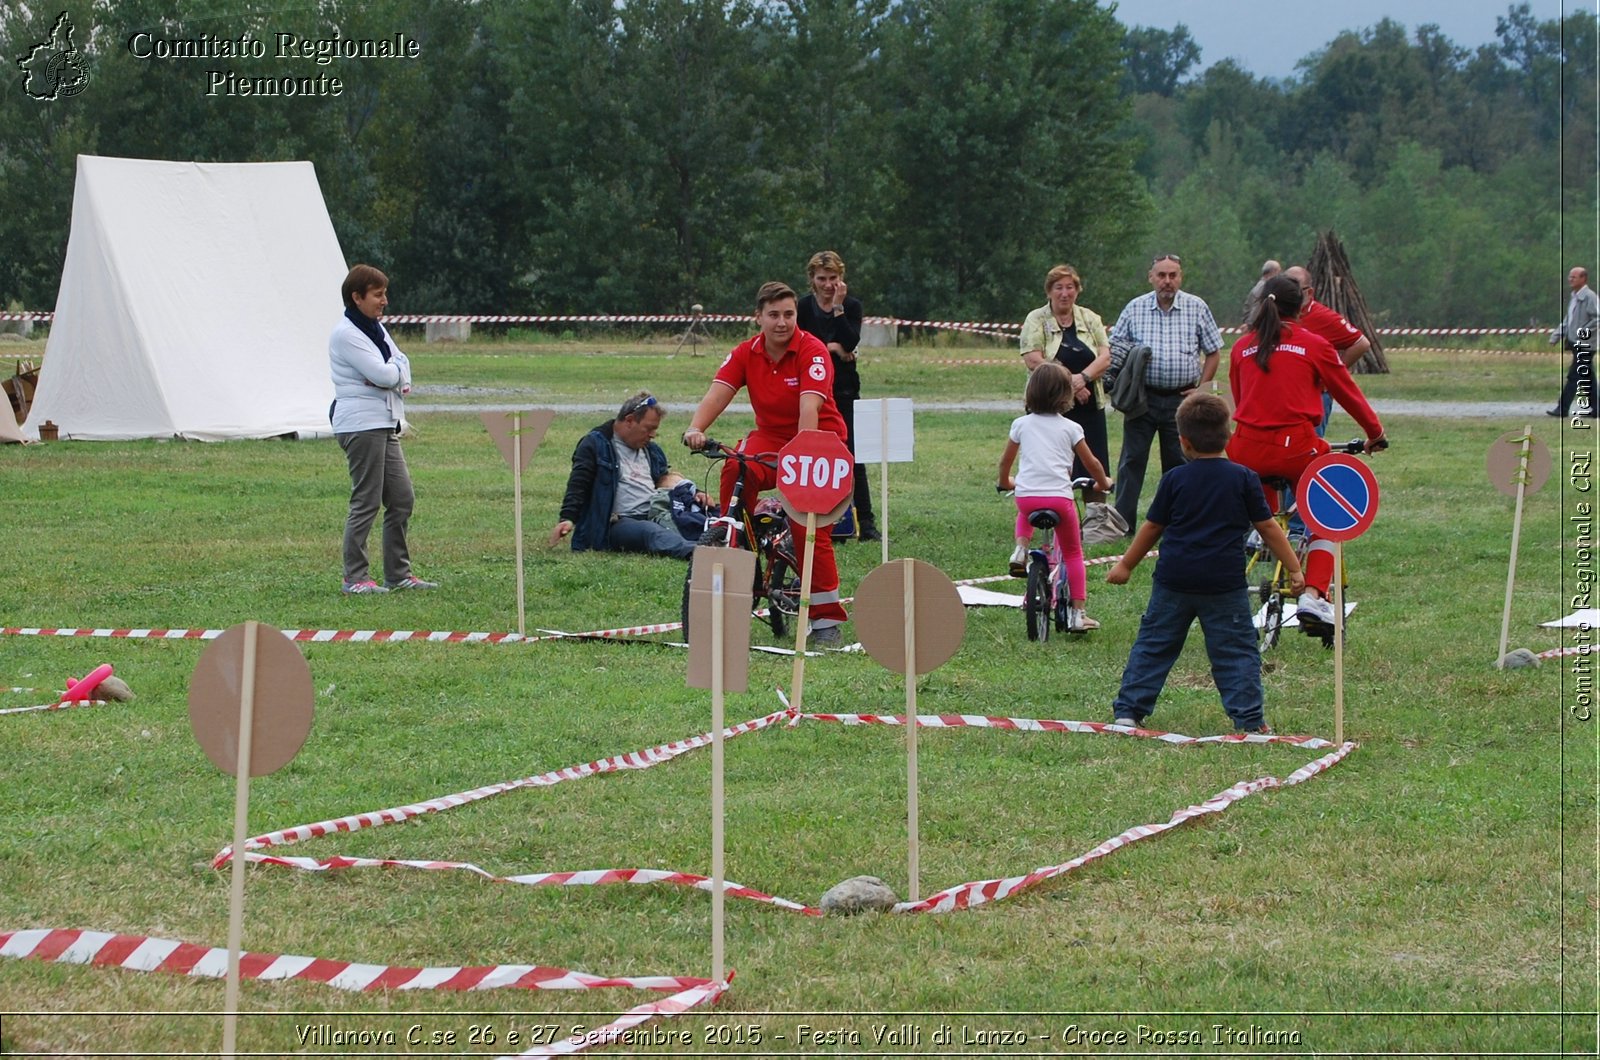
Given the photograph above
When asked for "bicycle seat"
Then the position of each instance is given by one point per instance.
(1044, 519)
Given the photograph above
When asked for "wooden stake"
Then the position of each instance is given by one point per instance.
(883, 476)
(1338, 643)
(803, 619)
(516, 487)
(717, 875)
(913, 846)
(1516, 534)
(241, 804)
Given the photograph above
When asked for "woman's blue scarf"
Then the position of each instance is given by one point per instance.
(370, 329)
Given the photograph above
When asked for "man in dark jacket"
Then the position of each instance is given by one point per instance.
(616, 469)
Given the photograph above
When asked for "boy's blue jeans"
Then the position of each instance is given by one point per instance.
(1226, 621)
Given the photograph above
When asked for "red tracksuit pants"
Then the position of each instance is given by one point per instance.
(826, 610)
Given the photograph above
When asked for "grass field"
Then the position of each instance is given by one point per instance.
(1434, 894)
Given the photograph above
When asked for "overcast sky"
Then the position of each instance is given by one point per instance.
(1268, 39)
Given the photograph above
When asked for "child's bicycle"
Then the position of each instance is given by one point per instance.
(1046, 600)
(764, 531)
(1274, 589)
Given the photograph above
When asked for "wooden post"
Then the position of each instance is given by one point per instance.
(1338, 643)
(1516, 534)
(803, 618)
(516, 479)
(883, 476)
(717, 873)
(241, 804)
(913, 847)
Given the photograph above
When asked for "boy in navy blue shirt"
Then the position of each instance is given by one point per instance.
(1201, 513)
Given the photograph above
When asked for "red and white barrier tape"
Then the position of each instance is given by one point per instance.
(144, 954)
(633, 760)
(981, 721)
(378, 636)
(317, 636)
(980, 892)
(1574, 649)
(578, 878)
(960, 896)
(1004, 328)
(63, 705)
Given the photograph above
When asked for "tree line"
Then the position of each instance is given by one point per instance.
(578, 156)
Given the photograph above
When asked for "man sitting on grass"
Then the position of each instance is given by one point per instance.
(1201, 513)
(617, 469)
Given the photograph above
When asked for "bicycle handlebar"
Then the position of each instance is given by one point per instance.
(1359, 445)
(715, 450)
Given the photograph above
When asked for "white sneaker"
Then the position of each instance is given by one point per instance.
(1078, 622)
(1312, 608)
(1019, 562)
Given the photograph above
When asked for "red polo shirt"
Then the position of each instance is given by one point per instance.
(775, 387)
(1329, 325)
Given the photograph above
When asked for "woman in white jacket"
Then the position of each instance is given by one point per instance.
(370, 380)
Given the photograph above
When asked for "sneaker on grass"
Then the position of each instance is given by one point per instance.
(363, 588)
(1130, 722)
(410, 581)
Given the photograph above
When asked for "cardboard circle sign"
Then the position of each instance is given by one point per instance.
(880, 610)
(282, 711)
(1505, 462)
(816, 472)
(1337, 497)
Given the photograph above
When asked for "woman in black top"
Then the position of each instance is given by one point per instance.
(832, 315)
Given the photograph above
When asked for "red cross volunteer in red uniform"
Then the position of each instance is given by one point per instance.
(1277, 372)
(789, 376)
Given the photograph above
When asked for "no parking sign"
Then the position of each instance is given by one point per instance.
(1338, 497)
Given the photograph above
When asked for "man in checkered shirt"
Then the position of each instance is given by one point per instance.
(1183, 340)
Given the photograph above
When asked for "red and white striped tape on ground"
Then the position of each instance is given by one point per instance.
(373, 819)
(63, 705)
(380, 636)
(960, 896)
(1573, 649)
(140, 953)
(983, 721)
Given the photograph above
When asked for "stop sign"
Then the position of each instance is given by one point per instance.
(816, 474)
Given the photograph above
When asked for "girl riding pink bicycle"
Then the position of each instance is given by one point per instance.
(1047, 443)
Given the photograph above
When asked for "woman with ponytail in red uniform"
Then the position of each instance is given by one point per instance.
(1277, 373)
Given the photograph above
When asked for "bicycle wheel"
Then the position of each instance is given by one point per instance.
(1272, 618)
(1036, 601)
(783, 595)
(716, 536)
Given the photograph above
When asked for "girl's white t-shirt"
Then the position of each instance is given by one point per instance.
(1044, 464)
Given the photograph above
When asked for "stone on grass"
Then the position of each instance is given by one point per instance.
(114, 688)
(1517, 659)
(859, 894)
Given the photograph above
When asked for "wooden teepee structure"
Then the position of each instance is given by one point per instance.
(1336, 288)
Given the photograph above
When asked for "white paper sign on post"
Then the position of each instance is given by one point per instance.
(884, 436)
(870, 431)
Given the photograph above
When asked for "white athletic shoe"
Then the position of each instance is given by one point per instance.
(1313, 609)
(1019, 562)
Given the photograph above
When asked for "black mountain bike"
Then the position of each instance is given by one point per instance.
(764, 531)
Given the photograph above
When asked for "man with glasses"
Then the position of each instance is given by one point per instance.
(1183, 340)
(616, 470)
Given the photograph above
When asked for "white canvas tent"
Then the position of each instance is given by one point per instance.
(196, 301)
